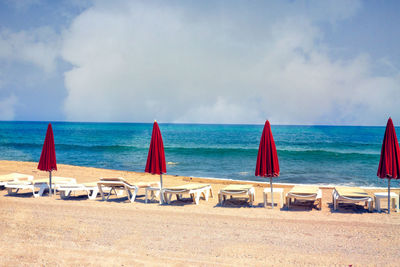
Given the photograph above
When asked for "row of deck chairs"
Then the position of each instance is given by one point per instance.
(303, 194)
(106, 187)
(297, 193)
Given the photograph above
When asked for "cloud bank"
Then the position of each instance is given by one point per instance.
(219, 63)
(39, 47)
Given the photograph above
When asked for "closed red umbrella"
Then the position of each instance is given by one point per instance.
(267, 158)
(389, 164)
(156, 158)
(48, 160)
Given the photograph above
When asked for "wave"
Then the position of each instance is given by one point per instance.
(76, 147)
(329, 151)
(290, 151)
(286, 151)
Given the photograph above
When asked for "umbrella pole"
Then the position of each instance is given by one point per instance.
(50, 183)
(389, 196)
(272, 193)
(161, 192)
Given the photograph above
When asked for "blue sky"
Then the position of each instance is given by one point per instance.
(293, 62)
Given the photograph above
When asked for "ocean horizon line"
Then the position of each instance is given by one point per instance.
(190, 123)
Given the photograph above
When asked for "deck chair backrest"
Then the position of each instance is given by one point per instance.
(113, 179)
(16, 177)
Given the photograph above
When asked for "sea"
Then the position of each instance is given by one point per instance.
(323, 155)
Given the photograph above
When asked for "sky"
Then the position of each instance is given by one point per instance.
(292, 62)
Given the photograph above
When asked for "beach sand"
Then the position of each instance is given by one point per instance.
(50, 231)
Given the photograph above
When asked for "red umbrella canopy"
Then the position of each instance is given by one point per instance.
(48, 160)
(389, 164)
(156, 157)
(267, 159)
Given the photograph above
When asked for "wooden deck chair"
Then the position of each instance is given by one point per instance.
(304, 194)
(195, 190)
(235, 190)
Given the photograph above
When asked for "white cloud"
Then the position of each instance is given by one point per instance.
(7, 107)
(136, 61)
(39, 47)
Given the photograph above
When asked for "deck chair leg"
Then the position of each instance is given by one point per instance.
(159, 195)
(222, 199)
(198, 198)
(128, 193)
(34, 193)
(41, 191)
(265, 200)
(134, 194)
(370, 205)
(92, 195)
(112, 189)
(101, 192)
(109, 193)
(62, 194)
(206, 194)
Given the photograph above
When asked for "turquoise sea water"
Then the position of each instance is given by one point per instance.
(307, 154)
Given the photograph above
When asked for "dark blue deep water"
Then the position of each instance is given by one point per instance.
(307, 154)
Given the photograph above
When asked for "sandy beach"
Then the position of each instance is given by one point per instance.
(50, 231)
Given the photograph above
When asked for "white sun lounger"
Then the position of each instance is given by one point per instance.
(236, 189)
(304, 194)
(41, 184)
(12, 177)
(90, 188)
(351, 195)
(120, 184)
(195, 190)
